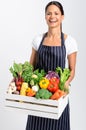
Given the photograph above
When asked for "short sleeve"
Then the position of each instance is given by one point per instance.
(34, 44)
(36, 41)
(71, 45)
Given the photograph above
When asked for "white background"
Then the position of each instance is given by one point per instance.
(20, 22)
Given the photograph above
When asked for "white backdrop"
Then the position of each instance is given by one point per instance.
(20, 22)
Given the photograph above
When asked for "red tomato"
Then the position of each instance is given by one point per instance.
(52, 87)
(54, 80)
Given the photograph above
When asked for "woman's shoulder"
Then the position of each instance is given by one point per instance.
(36, 41)
(71, 44)
(68, 37)
(69, 40)
(39, 36)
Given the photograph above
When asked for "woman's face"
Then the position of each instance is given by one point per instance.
(53, 16)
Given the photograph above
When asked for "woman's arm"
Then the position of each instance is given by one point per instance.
(33, 57)
(72, 65)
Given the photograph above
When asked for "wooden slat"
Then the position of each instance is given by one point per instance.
(34, 113)
(32, 99)
(38, 107)
(31, 106)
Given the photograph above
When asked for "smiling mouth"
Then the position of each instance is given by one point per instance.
(52, 21)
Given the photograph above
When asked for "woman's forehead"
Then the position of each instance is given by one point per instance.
(53, 8)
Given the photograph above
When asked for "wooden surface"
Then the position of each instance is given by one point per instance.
(38, 107)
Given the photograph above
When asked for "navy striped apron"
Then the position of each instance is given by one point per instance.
(50, 57)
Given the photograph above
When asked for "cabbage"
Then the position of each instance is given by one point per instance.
(51, 74)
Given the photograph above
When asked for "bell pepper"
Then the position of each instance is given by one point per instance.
(44, 83)
(30, 92)
(53, 85)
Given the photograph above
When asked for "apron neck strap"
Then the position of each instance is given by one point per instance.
(62, 38)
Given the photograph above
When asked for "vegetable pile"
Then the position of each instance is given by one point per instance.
(37, 83)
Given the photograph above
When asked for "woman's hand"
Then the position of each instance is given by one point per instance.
(67, 87)
(67, 84)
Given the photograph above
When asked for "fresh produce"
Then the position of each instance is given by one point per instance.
(27, 71)
(23, 88)
(36, 77)
(16, 92)
(23, 71)
(53, 84)
(59, 93)
(16, 70)
(18, 87)
(30, 92)
(18, 82)
(64, 75)
(37, 83)
(35, 88)
(44, 83)
(11, 88)
(54, 80)
(43, 94)
(51, 74)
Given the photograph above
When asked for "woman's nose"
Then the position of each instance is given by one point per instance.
(52, 16)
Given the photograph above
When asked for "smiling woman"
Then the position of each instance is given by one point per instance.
(54, 16)
(50, 50)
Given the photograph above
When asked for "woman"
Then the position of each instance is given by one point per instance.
(52, 49)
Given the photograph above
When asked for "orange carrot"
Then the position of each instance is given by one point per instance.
(57, 94)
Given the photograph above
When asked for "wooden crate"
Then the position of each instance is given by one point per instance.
(39, 107)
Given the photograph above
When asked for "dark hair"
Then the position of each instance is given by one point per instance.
(58, 4)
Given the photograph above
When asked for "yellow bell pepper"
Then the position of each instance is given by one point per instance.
(44, 83)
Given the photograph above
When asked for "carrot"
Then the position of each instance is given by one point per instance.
(61, 92)
(57, 95)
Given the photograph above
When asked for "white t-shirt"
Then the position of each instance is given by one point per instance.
(70, 45)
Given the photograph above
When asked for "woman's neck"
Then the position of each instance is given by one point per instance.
(54, 33)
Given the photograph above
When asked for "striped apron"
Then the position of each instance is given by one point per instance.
(50, 57)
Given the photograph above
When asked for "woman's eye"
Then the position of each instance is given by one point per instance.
(56, 13)
(51, 13)
(48, 13)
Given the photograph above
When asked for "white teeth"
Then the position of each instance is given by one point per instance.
(52, 20)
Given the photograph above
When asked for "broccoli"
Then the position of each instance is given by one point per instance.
(43, 94)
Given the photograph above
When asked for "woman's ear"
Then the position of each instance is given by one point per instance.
(62, 17)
